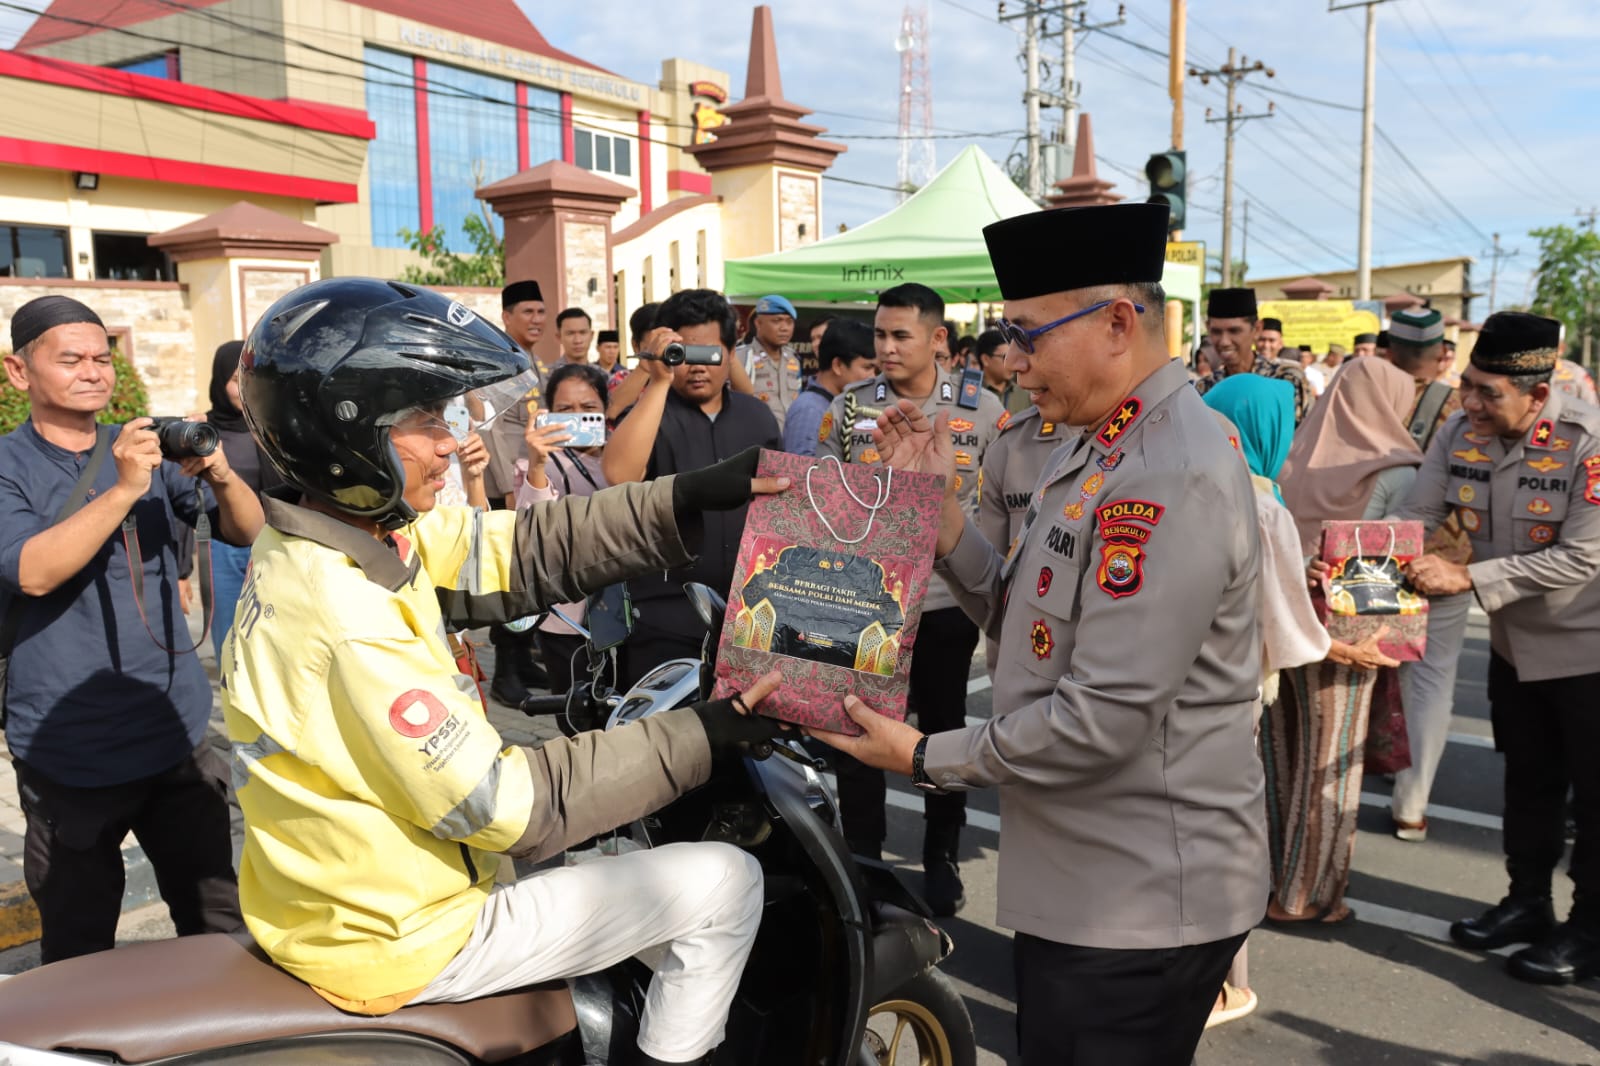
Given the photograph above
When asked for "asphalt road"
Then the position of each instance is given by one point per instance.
(1386, 989)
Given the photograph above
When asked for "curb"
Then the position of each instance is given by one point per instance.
(19, 918)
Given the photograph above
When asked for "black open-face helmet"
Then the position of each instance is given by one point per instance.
(331, 366)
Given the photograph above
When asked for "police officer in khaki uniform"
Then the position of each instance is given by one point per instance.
(1520, 470)
(1133, 854)
(771, 362)
(908, 324)
(1011, 468)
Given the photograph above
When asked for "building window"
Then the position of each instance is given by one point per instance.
(129, 257)
(392, 155)
(33, 252)
(544, 125)
(472, 141)
(602, 152)
(164, 65)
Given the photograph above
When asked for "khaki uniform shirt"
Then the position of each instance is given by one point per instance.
(846, 434)
(1574, 380)
(776, 381)
(1531, 511)
(1012, 465)
(1131, 798)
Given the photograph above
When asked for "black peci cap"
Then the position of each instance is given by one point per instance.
(1515, 342)
(607, 336)
(1272, 324)
(1232, 303)
(1068, 248)
(519, 292)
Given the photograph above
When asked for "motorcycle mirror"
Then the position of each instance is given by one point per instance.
(708, 603)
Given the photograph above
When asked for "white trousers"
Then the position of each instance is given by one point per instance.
(1428, 688)
(700, 903)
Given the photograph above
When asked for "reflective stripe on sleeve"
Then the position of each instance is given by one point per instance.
(246, 756)
(476, 812)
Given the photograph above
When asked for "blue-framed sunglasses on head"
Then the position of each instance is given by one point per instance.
(1024, 338)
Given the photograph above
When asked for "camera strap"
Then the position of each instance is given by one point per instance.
(77, 496)
(202, 564)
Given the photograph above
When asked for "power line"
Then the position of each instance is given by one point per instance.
(1489, 107)
(1384, 137)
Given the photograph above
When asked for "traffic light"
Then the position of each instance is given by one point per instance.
(1168, 183)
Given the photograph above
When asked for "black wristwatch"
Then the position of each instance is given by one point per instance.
(919, 775)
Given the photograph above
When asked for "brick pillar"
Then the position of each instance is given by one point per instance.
(558, 233)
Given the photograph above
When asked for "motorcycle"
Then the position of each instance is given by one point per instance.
(843, 971)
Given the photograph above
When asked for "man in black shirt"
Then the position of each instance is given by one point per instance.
(687, 418)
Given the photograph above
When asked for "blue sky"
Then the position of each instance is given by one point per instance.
(1493, 102)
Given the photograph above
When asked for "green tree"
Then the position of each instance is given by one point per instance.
(129, 400)
(1567, 280)
(485, 265)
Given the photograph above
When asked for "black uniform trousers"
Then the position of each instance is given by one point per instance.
(940, 660)
(1080, 1006)
(1549, 733)
(72, 852)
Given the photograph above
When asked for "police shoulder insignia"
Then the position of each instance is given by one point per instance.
(1005, 420)
(1123, 528)
(1044, 642)
(947, 392)
(1126, 414)
(1131, 511)
(881, 393)
(1544, 432)
(826, 428)
(1591, 492)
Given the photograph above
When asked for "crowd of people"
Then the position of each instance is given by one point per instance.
(1078, 460)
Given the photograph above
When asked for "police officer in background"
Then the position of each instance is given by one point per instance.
(1520, 471)
(769, 359)
(907, 329)
(1133, 854)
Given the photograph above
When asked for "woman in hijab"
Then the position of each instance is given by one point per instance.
(226, 416)
(1353, 459)
(1262, 410)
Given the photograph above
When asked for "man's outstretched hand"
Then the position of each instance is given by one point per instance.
(723, 486)
(733, 729)
(885, 743)
(907, 440)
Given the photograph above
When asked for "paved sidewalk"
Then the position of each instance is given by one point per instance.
(19, 919)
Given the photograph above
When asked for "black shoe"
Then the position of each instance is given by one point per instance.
(506, 687)
(1514, 920)
(1570, 954)
(942, 889)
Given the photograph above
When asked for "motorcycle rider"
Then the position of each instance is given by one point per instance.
(376, 795)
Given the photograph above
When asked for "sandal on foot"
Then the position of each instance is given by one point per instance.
(1236, 1003)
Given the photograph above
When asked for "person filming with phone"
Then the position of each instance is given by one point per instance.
(560, 463)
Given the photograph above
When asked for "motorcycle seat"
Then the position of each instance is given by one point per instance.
(200, 993)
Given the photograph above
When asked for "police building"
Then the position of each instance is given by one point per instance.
(154, 149)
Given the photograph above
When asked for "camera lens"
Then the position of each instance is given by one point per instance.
(673, 354)
(185, 440)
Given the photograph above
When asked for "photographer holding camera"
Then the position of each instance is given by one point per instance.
(106, 704)
(689, 417)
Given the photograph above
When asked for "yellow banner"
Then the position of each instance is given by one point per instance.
(1319, 323)
(1189, 253)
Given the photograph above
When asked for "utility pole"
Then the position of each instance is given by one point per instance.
(1244, 245)
(1364, 237)
(1233, 72)
(1035, 29)
(1177, 46)
(1494, 269)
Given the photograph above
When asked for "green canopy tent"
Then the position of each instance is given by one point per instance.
(935, 237)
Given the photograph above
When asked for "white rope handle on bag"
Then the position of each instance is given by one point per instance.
(883, 483)
(1388, 554)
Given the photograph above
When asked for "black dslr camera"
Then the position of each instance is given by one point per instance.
(185, 440)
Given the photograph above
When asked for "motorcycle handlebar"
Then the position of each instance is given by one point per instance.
(534, 706)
